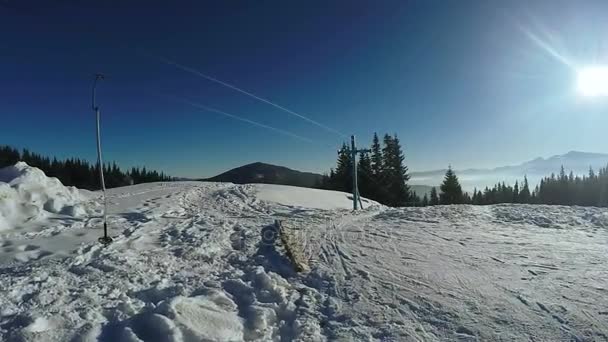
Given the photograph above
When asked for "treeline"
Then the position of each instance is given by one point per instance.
(382, 174)
(79, 173)
(562, 189)
(383, 177)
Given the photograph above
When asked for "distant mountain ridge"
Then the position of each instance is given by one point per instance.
(421, 182)
(268, 174)
(576, 161)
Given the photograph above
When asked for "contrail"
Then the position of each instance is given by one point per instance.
(544, 45)
(547, 47)
(236, 117)
(196, 72)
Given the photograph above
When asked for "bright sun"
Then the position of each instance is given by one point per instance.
(593, 81)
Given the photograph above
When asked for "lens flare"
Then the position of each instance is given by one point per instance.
(593, 81)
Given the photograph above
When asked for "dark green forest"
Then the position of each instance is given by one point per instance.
(79, 173)
(382, 173)
(564, 189)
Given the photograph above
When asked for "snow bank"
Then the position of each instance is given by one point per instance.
(306, 197)
(26, 194)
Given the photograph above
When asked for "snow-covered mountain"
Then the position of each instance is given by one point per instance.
(577, 162)
(197, 261)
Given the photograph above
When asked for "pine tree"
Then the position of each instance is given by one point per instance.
(8, 156)
(466, 198)
(487, 196)
(378, 191)
(434, 200)
(451, 191)
(394, 173)
(603, 188)
(524, 194)
(506, 193)
(515, 198)
(476, 197)
(365, 175)
(376, 158)
(589, 193)
(415, 199)
(342, 179)
(425, 200)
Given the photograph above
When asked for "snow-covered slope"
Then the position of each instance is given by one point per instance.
(306, 197)
(188, 264)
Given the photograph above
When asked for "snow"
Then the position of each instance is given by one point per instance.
(26, 194)
(188, 264)
(307, 198)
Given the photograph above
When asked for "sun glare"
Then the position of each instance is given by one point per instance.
(593, 81)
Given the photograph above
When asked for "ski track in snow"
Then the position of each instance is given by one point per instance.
(188, 264)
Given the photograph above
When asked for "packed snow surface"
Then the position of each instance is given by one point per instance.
(308, 198)
(188, 264)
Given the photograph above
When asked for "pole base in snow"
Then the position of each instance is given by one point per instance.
(106, 240)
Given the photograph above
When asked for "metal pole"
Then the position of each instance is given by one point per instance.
(105, 238)
(360, 202)
(353, 151)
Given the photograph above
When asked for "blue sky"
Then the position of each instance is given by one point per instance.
(466, 83)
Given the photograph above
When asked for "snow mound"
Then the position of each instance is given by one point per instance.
(306, 197)
(26, 194)
(202, 318)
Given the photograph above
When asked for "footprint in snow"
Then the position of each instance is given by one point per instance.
(464, 331)
(31, 255)
(28, 247)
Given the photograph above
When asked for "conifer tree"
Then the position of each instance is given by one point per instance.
(395, 174)
(524, 194)
(434, 200)
(415, 199)
(451, 191)
(486, 197)
(466, 198)
(589, 195)
(425, 200)
(376, 158)
(603, 188)
(342, 180)
(365, 175)
(477, 197)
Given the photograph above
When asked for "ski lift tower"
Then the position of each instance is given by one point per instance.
(353, 157)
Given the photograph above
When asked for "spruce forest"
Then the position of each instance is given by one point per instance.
(79, 173)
